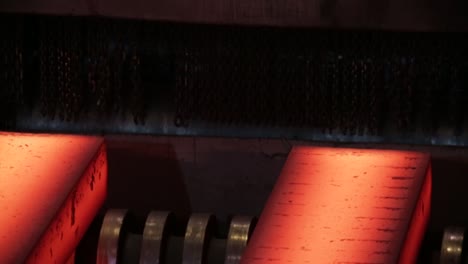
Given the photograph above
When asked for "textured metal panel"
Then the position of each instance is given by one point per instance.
(90, 75)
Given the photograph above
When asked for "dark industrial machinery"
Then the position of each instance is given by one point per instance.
(206, 116)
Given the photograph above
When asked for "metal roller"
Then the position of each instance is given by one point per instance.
(153, 236)
(239, 233)
(108, 245)
(196, 237)
(452, 245)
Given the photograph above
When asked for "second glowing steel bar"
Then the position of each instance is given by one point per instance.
(345, 206)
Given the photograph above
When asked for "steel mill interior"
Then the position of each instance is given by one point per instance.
(226, 132)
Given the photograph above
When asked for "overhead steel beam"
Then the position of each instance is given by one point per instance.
(404, 15)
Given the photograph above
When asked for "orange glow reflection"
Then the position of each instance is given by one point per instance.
(418, 224)
(51, 188)
(340, 206)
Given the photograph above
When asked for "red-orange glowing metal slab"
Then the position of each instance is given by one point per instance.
(51, 187)
(345, 206)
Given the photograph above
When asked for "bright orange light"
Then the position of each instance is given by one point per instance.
(51, 186)
(342, 206)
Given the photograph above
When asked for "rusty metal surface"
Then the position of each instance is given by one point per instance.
(52, 187)
(395, 15)
(344, 206)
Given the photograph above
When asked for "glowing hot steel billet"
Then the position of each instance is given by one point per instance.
(334, 205)
(51, 187)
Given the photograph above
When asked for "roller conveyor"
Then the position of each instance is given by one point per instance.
(160, 244)
(164, 237)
